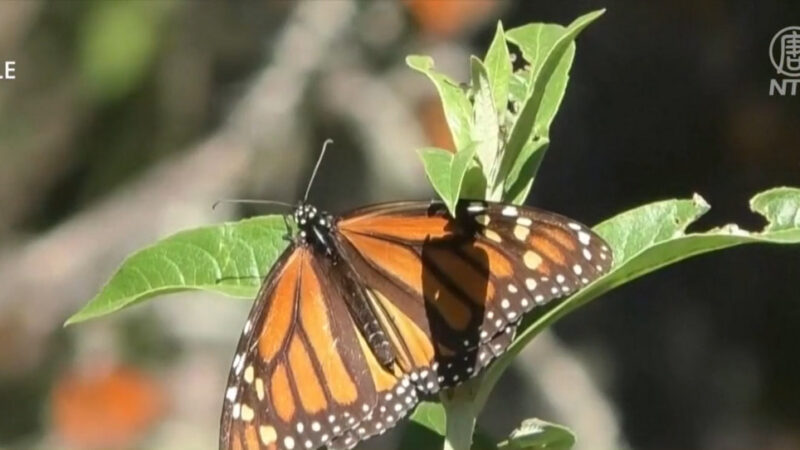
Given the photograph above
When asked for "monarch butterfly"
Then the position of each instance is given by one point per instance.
(365, 313)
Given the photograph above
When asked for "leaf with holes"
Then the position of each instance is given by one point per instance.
(457, 108)
(231, 259)
(536, 104)
(653, 236)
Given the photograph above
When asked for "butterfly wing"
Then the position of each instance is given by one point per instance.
(447, 292)
(303, 376)
(451, 291)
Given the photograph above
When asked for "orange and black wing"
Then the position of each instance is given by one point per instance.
(446, 293)
(303, 376)
(450, 292)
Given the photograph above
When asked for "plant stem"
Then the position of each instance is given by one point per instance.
(461, 417)
(462, 405)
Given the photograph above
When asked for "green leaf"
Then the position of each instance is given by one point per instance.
(518, 88)
(437, 164)
(653, 236)
(461, 163)
(474, 185)
(486, 128)
(536, 434)
(520, 179)
(446, 172)
(498, 68)
(230, 258)
(431, 416)
(536, 41)
(457, 108)
(428, 427)
(530, 113)
(781, 205)
(554, 93)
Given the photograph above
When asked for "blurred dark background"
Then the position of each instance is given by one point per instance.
(127, 119)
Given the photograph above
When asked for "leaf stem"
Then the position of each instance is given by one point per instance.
(461, 412)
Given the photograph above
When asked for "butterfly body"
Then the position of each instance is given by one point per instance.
(365, 313)
(317, 229)
(314, 228)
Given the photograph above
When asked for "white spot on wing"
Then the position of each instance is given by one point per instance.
(267, 434)
(237, 409)
(531, 259)
(247, 413)
(238, 363)
(492, 235)
(230, 394)
(521, 232)
(510, 211)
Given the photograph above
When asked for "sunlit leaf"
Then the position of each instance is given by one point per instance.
(457, 109)
(523, 128)
(649, 237)
(486, 128)
(231, 259)
(537, 434)
(498, 69)
(520, 179)
(446, 172)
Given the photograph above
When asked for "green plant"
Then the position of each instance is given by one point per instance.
(500, 126)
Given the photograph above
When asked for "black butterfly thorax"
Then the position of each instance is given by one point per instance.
(317, 229)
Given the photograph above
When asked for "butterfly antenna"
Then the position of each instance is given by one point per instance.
(251, 201)
(316, 167)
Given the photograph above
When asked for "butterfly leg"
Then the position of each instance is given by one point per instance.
(288, 236)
